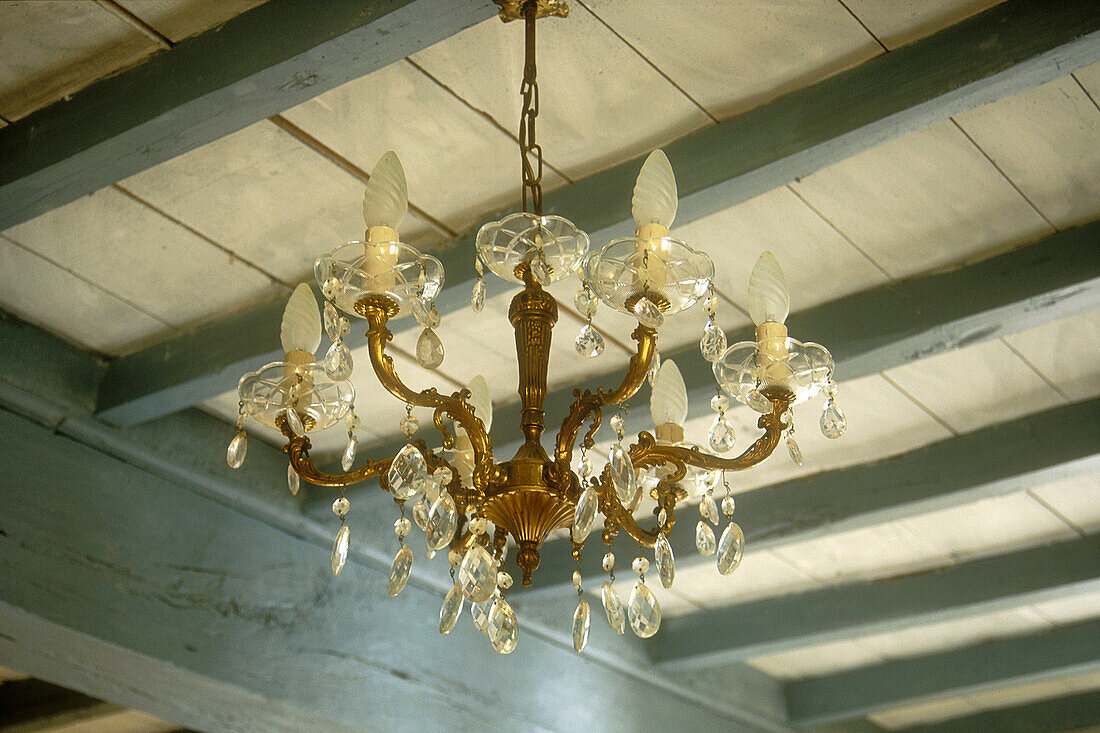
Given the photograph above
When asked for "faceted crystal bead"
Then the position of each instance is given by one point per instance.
(622, 474)
(352, 421)
(609, 561)
(662, 517)
(713, 343)
(442, 521)
(617, 425)
(585, 469)
(833, 422)
(332, 321)
(450, 610)
(293, 482)
(794, 450)
(234, 454)
(708, 508)
(454, 558)
(425, 313)
(585, 514)
(348, 459)
(613, 607)
(407, 473)
(644, 611)
(294, 422)
(654, 369)
(648, 314)
(728, 505)
(666, 563)
(479, 525)
(730, 549)
(576, 580)
(719, 403)
(710, 305)
(721, 435)
(479, 612)
(477, 574)
(704, 539)
(757, 401)
(640, 565)
(582, 622)
(338, 363)
(503, 627)
(589, 342)
(341, 506)
(420, 514)
(477, 298)
(586, 302)
(429, 349)
(402, 526)
(504, 580)
(409, 425)
(443, 475)
(541, 271)
(331, 288)
(399, 573)
(340, 549)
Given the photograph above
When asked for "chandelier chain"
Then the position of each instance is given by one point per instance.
(531, 151)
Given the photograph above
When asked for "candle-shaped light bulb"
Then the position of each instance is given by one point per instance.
(481, 401)
(669, 400)
(769, 299)
(386, 196)
(301, 328)
(655, 198)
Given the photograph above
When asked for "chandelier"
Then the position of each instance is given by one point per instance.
(462, 497)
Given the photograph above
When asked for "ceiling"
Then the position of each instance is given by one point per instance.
(237, 222)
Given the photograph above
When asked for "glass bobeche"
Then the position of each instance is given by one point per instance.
(502, 245)
(673, 274)
(280, 385)
(804, 371)
(394, 269)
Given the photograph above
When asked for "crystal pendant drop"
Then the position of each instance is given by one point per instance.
(794, 450)
(666, 563)
(332, 322)
(479, 612)
(648, 314)
(585, 469)
(503, 627)
(341, 506)
(348, 459)
(541, 271)
(585, 514)
(613, 607)
(654, 368)
(294, 422)
(589, 342)
(442, 521)
(429, 349)
(407, 473)
(338, 362)
(399, 573)
(704, 539)
(757, 401)
(234, 454)
(586, 302)
(477, 574)
(730, 549)
(477, 299)
(582, 622)
(644, 611)
(721, 435)
(340, 549)
(728, 506)
(450, 610)
(708, 508)
(293, 482)
(622, 475)
(713, 343)
(420, 514)
(833, 422)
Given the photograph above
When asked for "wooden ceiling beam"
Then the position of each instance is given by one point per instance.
(1070, 713)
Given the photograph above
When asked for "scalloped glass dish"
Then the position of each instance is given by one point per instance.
(502, 245)
(804, 371)
(273, 389)
(393, 269)
(628, 268)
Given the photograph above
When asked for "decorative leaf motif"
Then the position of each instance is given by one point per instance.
(301, 327)
(769, 299)
(655, 197)
(386, 197)
(668, 402)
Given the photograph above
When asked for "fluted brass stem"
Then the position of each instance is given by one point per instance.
(532, 313)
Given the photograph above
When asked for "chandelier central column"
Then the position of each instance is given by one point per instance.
(533, 313)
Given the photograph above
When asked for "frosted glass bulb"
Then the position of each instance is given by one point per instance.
(480, 399)
(301, 329)
(769, 299)
(669, 401)
(386, 197)
(655, 192)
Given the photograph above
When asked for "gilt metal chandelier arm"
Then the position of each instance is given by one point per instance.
(618, 517)
(297, 448)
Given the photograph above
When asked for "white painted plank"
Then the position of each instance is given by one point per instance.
(1077, 499)
(124, 721)
(1089, 78)
(1047, 141)
(923, 201)
(926, 712)
(1066, 352)
(1071, 609)
(731, 57)
(818, 660)
(180, 19)
(761, 575)
(1035, 691)
(942, 636)
(898, 23)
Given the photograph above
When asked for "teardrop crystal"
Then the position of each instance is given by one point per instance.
(589, 342)
(708, 508)
(503, 627)
(407, 473)
(648, 314)
(477, 298)
(420, 514)
(293, 482)
(429, 349)
(477, 574)
(348, 459)
(338, 361)
(340, 549)
(294, 422)
(654, 369)
(582, 622)
(833, 422)
(234, 454)
(479, 612)
(644, 611)
(399, 572)
(585, 514)
(450, 610)
(794, 450)
(721, 436)
(730, 549)
(442, 521)
(666, 563)
(704, 539)
(622, 474)
(332, 322)
(713, 343)
(613, 607)
(541, 271)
